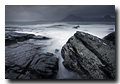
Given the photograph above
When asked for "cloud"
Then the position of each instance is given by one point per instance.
(55, 12)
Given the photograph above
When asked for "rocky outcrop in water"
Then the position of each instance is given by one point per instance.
(13, 37)
(25, 60)
(40, 37)
(76, 27)
(89, 56)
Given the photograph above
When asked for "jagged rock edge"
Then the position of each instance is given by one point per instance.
(107, 68)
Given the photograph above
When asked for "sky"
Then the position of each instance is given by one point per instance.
(55, 12)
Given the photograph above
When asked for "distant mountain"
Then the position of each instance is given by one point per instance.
(72, 17)
(108, 18)
(97, 19)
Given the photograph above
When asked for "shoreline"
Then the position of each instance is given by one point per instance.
(22, 66)
(23, 40)
(23, 59)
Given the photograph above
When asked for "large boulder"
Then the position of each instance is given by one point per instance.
(89, 56)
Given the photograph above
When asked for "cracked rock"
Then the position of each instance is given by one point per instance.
(90, 58)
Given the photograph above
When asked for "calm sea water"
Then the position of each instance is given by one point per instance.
(60, 32)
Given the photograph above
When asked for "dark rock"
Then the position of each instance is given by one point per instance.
(76, 27)
(46, 66)
(24, 61)
(89, 56)
(10, 41)
(49, 54)
(111, 28)
(40, 37)
(13, 37)
(56, 50)
(110, 37)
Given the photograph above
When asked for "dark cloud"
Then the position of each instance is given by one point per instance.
(55, 12)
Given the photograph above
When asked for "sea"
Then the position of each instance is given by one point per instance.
(59, 32)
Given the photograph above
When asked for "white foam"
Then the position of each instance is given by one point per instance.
(60, 35)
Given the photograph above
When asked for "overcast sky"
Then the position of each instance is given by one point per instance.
(55, 12)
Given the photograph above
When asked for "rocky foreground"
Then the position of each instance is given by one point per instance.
(25, 60)
(90, 56)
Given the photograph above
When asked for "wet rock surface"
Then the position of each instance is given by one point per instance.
(25, 60)
(89, 56)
